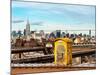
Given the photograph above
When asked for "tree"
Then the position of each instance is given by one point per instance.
(19, 33)
(14, 33)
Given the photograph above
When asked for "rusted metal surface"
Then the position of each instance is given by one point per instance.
(42, 59)
(50, 57)
(21, 50)
(30, 70)
(78, 51)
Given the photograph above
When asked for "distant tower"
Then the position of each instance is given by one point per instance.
(27, 28)
(90, 33)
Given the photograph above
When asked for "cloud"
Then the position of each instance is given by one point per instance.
(59, 9)
(17, 21)
(24, 4)
(77, 16)
(37, 23)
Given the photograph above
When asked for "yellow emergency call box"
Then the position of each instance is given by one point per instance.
(63, 51)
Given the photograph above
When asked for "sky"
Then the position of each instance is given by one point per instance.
(50, 16)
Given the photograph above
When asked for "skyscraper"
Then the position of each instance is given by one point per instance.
(63, 34)
(27, 28)
(90, 33)
(58, 33)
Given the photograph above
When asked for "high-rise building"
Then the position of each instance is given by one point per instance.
(24, 32)
(58, 33)
(52, 35)
(90, 33)
(27, 28)
(63, 34)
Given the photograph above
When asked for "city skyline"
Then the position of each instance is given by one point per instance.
(45, 16)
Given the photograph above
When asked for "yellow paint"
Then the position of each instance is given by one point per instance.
(63, 51)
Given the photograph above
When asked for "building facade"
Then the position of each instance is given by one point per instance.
(27, 28)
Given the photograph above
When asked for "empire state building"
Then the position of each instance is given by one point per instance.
(27, 28)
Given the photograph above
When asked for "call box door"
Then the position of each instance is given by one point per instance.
(60, 52)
